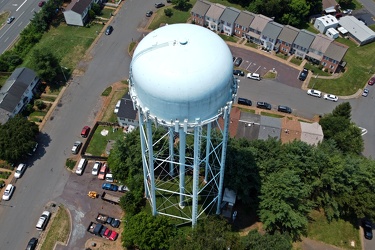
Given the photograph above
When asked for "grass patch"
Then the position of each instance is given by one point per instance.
(311, 28)
(252, 45)
(270, 75)
(177, 17)
(107, 91)
(106, 13)
(3, 18)
(227, 3)
(70, 163)
(338, 233)
(99, 142)
(48, 98)
(315, 68)
(38, 113)
(229, 38)
(282, 56)
(69, 43)
(271, 114)
(246, 110)
(361, 66)
(296, 61)
(131, 47)
(59, 229)
(5, 174)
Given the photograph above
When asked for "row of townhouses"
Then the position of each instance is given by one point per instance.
(318, 48)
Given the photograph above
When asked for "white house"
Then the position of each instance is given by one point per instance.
(77, 12)
(357, 30)
(127, 115)
(17, 92)
(323, 23)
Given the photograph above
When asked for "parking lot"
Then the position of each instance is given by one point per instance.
(257, 63)
(84, 209)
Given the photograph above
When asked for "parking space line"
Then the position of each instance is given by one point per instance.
(248, 66)
(257, 69)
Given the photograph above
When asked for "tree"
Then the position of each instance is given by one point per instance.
(168, 12)
(96, 8)
(45, 64)
(182, 5)
(146, 232)
(255, 241)
(212, 233)
(17, 138)
(40, 104)
(343, 110)
(297, 13)
(132, 202)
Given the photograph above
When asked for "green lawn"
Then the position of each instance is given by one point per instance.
(99, 142)
(271, 114)
(339, 232)
(296, 61)
(229, 38)
(360, 67)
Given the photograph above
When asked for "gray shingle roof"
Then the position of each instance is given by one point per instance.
(321, 43)
(288, 34)
(248, 126)
(215, 11)
(269, 127)
(126, 109)
(245, 18)
(201, 8)
(336, 51)
(230, 15)
(78, 6)
(304, 38)
(15, 87)
(260, 22)
(272, 30)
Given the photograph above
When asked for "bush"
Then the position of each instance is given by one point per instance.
(40, 104)
(70, 163)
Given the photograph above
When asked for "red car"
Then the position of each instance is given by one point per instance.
(85, 131)
(110, 235)
(41, 3)
(371, 81)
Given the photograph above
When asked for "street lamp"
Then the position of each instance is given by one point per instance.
(63, 72)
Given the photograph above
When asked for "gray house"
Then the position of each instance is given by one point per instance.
(256, 28)
(302, 43)
(357, 30)
(227, 20)
(17, 92)
(286, 38)
(270, 34)
(198, 12)
(127, 115)
(242, 23)
(318, 47)
(77, 12)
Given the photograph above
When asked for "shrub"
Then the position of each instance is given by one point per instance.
(40, 104)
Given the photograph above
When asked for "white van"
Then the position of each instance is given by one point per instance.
(81, 166)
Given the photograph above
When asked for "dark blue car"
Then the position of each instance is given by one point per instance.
(110, 186)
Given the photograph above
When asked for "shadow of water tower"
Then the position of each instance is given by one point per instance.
(182, 84)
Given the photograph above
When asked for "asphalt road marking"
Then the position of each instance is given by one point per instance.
(21, 5)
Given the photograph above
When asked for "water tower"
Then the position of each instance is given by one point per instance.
(181, 82)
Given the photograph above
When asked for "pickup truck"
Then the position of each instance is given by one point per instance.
(110, 198)
(105, 219)
(96, 228)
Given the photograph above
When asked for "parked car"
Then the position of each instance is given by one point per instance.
(149, 13)
(115, 223)
(9, 190)
(32, 244)
(81, 166)
(110, 234)
(41, 3)
(302, 76)
(123, 189)
(159, 5)
(109, 177)
(253, 76)
(330, 97)
(284, 109)
(238, 61)
(43, 220)
(10, 19)
(365, 92)
(34, 149)
(244, 101)
(367, 229)
(109, 30)
(264, 105)
(96, 167)
(20, 170)
(103, 171)
(85, 131)
(238, 72)
(76, 147)
(371, 81)
(110, 187)
(314, 92)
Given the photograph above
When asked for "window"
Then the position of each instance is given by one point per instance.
(331, 67)
(324, 63)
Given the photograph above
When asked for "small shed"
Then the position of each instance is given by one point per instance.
(342, 31)
(332, 33)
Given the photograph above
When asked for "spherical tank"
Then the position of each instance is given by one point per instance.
(182, 71)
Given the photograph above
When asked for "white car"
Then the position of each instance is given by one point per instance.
(314, 92)
(8, 192)
(20, 170)
(76, 147)
(109, 177)
(43, 220)
(253, 76)
(95, 169)
(365, 92)
(331, 97)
